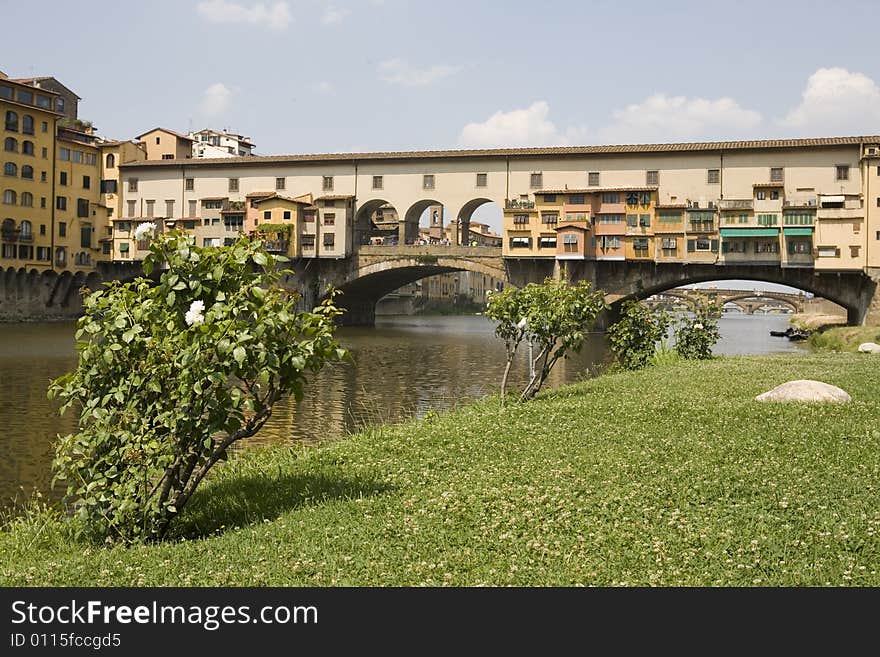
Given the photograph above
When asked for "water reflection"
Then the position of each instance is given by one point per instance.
(402, 367)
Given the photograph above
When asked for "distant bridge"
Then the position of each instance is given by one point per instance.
(748, 301)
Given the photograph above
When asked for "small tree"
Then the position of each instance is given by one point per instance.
(695, 336)
(555, 316)
(634, 338)
(171, 375)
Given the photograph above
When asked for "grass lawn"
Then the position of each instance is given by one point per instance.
(671, 476)
(844, 338)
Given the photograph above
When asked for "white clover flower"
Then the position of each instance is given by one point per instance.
(144, 229)
(698, 326)
(194, 314)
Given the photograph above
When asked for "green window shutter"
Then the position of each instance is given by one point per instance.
(725, 247)
(714, 246)
(692, 246)
(790, 247)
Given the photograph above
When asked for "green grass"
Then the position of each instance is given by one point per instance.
(668, 476)
(844, 338)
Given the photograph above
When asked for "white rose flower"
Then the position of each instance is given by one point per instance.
(698, 326)
(194, 314)
(144, 229)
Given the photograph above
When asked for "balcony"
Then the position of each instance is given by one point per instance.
(26, 238)
(701, 227)
(517, 204)
(276, 246)
(736, 204)
(800, 203)
(840, 213)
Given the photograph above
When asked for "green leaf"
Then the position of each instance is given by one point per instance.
(239, 354)
(260, 258)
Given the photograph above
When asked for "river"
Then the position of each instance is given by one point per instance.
(404, 366)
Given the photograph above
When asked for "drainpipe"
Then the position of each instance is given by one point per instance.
(52, 189)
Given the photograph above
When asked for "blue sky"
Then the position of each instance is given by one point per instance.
(318, 76)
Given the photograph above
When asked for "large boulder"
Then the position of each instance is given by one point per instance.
(869, 348)
(805, 390)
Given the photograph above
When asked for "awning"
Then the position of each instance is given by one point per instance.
(802, 230)
(749, 232)
(832, 199)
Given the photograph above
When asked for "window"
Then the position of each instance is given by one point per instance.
(10, 169)
(82, 207)
(329, 218)
(9, 197)
(167, 156)
(42, 176)
(668, 243)
(640, 246)
(576, 216)
(26, 252)
(482, 179)
(87, 182)
(132, 184)
(632, 220)
(279, 183)
(569, 242)
(520, 219)
(610, 197)
(62, 229)
(267, 215)
(158, 140)
(43, 202)
(212, 204)
(330, 203)
(44, 153)
(85, 237)
(593, 179)
(327, 183)
(286, 215)
(547, 243)
(11, 121)
(64, 154)
(44, 101)
(151, 204)
(27, 124)
(767, 219)
(308, 241)
(652, 177)
(131, 208)
(110, 161)
(714, 176)
(26, 230)
(169, 207)
(428, 181)
(91, 159)
(797, 218)
(189, 225)
(192, 211)
(520, 242)
(800, 247)
(60, 202)
(62, 178)
(767, 247)
(76, 156)
(576, 199)
(550, 218)
(774, 195)
(842, 171)
(761, 195)
(743, 218)
(10, 145)
(309, 216)
(233, 222)
(609, 242)
(377, 182)
(233, 184)
(644, 220)
(44, 253)
(27, 147)
(45, 126)
(108, 187)
(5, 92)
(330, 240)
(549, 198)
(610, 218)
(536, 180)
(27, 200)
(827, 252)
(776, 174)
(9, 250)
(25, 96)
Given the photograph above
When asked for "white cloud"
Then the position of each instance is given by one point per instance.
(396, 71)
(333, 15)
(836, 102)
(662, 118)
(324, 88)
(275, 16)
(215, 100)
(520, 127)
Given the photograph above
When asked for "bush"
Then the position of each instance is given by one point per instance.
(695, 336)
(634, 338)
(172, 374)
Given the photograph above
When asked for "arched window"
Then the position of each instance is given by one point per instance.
(9, 197)
(10, 144)
(25, 230)
(8, 229)
(27, 147)
(27, 199)
(27, 124)
(10, 169)
(111, 161)
(60, 256)
(27, 171)
(11, 121)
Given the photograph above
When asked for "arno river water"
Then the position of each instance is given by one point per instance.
(404, 366)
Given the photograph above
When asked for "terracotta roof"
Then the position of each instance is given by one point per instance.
(170, 132)
(31, 81)
(282, 198)
(259, 160)
(593, 190)
(213, 198)
(580, 225)
(258, 194)
(335, 197)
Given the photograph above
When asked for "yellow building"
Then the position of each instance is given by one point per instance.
(29, 124)
(640, 221)
(165, 144)
(279, 221)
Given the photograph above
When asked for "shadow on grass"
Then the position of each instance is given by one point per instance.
(254, 499)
